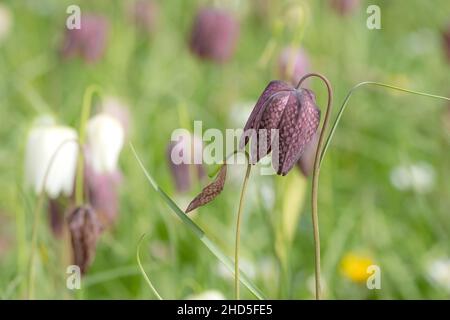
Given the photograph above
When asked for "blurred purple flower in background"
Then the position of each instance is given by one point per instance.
(88, 42)
(144, 14)
(293, 63)
(344, 7)
(214, 35)
(103, 194)
(306, 161)
(185, 174)
(446, 42)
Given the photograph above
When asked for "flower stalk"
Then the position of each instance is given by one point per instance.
(238, 230)
(315, 182)
(85, 113)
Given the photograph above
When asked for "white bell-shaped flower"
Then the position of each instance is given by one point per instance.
(51, 150)
(105, 137)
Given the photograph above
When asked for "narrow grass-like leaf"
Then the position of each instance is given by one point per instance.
(191, 225)
(138, 258)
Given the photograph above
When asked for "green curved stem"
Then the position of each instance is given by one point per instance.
(138, 258)
(347, 98)
(85, 113)
(315, 181)
(238, 231)
(34, 229)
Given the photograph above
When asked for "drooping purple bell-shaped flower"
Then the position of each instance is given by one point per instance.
(284, 120)
(88, 42)
(214, 35)
(293, 63)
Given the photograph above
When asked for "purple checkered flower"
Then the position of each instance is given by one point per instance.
(284, 120)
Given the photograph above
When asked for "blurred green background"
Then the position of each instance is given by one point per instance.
(167, 87)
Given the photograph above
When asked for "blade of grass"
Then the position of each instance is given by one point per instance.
(138, 258)
(191, 225)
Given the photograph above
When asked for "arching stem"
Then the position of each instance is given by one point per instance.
(315, 181)
(347, 98)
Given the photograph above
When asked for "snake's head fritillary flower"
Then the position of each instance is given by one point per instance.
(185, 173)
(85, 230)
(214, 34)
(144, 14)
(293, 63)
(446, 42)
(105, 138)
(88, 42)
(344, 7)
(51, 155)
(284, 120)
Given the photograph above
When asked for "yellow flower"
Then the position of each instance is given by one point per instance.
(354, 267)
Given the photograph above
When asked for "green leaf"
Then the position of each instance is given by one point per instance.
(191, 225)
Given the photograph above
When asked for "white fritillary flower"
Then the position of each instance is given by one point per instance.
(51, 150)
(105, 138)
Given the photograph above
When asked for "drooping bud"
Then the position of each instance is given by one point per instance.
(180, 156)
(214, 35)
(284, 120)
(84, 230)
(293, 63)
(51, 155)
(105, 138)
(144, 14)
(88, 42)
(211, 191)
(344, 7)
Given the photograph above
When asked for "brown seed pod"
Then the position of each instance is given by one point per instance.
(84, 230)
(211, 191)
